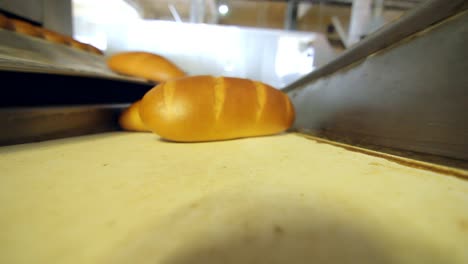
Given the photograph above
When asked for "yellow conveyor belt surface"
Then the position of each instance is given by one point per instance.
(131, 198)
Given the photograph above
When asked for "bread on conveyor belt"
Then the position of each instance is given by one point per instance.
(205, 108)
(27, 28)
(145, 65)
(78, 45)
(24, 27)
(93, 49)
(54, 37)
(130, 119)
(83, 46)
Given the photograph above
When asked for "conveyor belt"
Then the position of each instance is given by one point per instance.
(42, 73)
(23, 53)
(131, 198)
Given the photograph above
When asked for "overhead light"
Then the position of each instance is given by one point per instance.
(223, 9)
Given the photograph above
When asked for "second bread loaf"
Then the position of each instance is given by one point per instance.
(130, 119)
(145, 65)
(54, 37)
(25, 28)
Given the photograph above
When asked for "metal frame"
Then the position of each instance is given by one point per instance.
(25, 125)
(403, 90)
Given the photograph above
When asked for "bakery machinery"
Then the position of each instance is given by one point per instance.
(374, 169)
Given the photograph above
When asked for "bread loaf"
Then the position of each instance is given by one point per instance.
(205, 108)
(54, 37)
(25, 28)
(93, 49)
(130, 119)
(144, 65)
(78, 45)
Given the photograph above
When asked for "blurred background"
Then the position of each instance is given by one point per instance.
(273, 41)
(276, 42)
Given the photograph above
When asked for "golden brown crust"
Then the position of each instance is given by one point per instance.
(130, 119)
(77, 44)
(93, 49)
(204, 108)
(55, 37)
(25, 28)
(144, 65)
(82, 46)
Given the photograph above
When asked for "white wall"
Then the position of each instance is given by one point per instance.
(275, 57)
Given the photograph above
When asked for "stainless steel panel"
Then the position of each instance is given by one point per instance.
(58, 16)
(412, 96)
(23, 53)
(29, 9)
(36, 72)
(24, 125)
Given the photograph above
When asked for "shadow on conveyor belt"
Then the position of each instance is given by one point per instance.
(275, 228)
(38, 89)
(37, 106)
